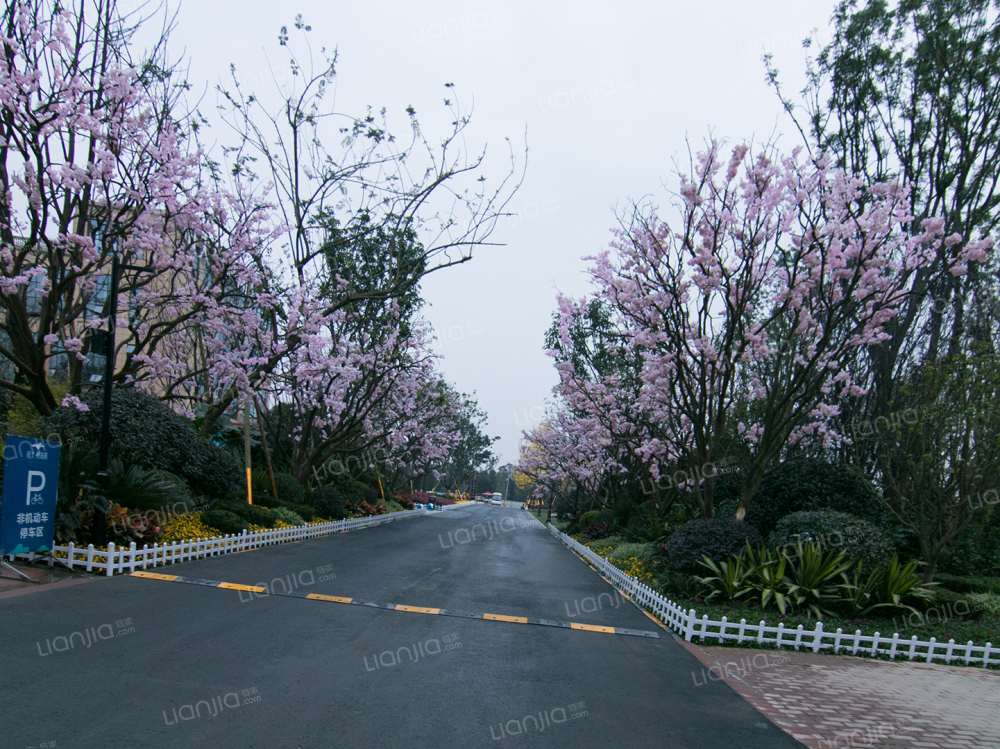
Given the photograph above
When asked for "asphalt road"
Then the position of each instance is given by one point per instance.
(176, 665)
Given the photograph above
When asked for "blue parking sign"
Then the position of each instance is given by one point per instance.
(28, 509)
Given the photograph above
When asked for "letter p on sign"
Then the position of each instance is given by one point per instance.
(34, 476)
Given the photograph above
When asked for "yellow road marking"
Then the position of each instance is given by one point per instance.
(502, 618)
(653, 618)
(397, 607)
(335, 599)
(416, 609)
(237, 586)
(154, 576)
(591, 628)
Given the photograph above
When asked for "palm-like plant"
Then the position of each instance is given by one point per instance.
(138, 489)
(767, 576)
(815, 578)
(860, 589)
(730, 578)
(901, 581)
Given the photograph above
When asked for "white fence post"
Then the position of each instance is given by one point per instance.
(117, 559)
(817, 637)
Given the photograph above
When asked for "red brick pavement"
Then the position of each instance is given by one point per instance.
(845, 701)
(56, 577)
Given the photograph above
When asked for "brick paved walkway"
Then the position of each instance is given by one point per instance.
(845, 701)
(56, 577)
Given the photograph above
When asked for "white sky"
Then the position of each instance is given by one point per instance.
(608, 93)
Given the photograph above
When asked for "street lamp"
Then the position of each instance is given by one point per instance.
(109, 371)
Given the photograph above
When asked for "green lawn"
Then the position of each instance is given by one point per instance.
(562, 525)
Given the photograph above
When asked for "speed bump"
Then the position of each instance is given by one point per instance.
(397, 606)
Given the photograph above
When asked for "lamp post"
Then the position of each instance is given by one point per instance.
(100, 534)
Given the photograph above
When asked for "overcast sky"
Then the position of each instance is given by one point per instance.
(607, 94)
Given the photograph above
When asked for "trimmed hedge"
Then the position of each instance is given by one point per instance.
(716, 538)
(329, 503)
(640, 551)
(224, 521)
(264, 499)
(812, 484)
(303, 511)
(251, 513)
(836, 531)
(964, 584)
(145, 432)
(597, 516)
(290, 491)
(287, 516)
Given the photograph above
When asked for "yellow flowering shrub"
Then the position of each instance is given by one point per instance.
(184, 528)
(639, 569)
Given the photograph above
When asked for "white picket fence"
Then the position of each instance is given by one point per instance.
(121, 560)
(688, 625)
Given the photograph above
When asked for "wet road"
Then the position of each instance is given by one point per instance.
(126, 663)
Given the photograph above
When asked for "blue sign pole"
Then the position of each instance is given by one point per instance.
(28, 509)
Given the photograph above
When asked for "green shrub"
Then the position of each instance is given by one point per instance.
(211, 470)
(251, 513)
(287, 516)
(596, 516)
(977, 551)
(597, 530)
(605, 545)
(147, 433)
(716, 538)
(640, 551)
(140, 490)
(812, 484)
(963, 584)
(393, 506)
(225, 522)
(646, 526)
(969, 605)
(303, 511)
(832, 530)
(290, 491)
(981, 603)
(329, 503)
(179, 484)
(406, 501)
(264, 499)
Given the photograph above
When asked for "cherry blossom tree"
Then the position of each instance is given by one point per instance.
(776, 272)
(95, 163)
(374, 184)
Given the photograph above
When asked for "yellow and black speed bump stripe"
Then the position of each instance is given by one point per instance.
(398, 606)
